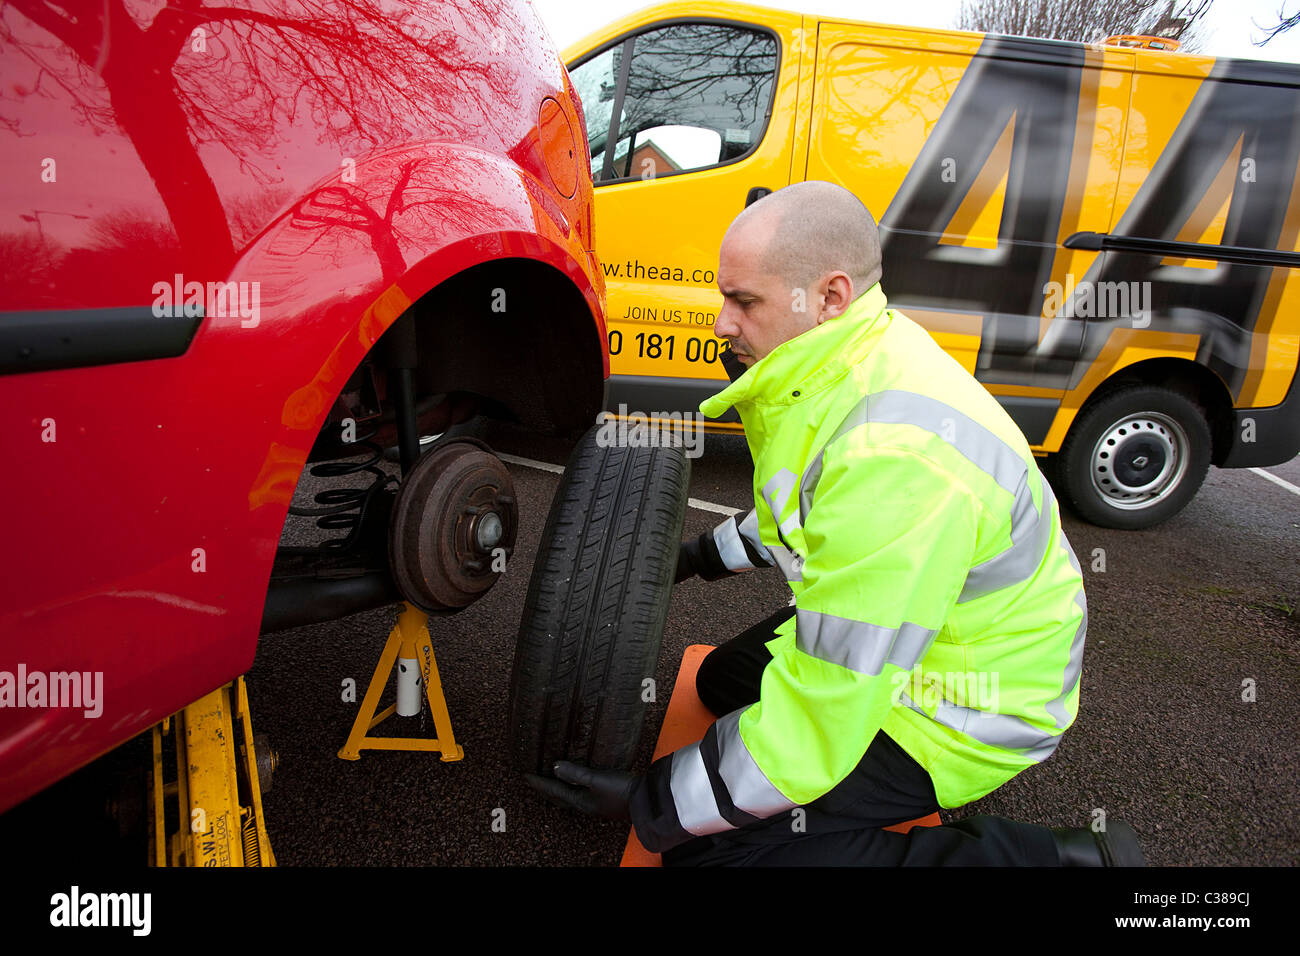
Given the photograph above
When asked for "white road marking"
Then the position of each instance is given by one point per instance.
(530, 463)
(710, 506)
(1276, 480)
(559, 470)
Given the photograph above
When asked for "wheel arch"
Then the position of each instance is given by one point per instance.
(322, 332)
(474, 213)
(1194, 381)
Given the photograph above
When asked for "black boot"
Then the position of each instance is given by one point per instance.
(1117, 845)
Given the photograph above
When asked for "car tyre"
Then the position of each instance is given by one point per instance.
(597, 602)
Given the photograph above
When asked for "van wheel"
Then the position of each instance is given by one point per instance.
(596, 606)
(1134, 458)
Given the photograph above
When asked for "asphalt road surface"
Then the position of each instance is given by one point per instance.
(1187, 621)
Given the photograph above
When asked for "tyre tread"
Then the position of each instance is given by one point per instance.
(596, 606)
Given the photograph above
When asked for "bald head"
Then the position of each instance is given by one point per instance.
(809, 229)
(790, 262)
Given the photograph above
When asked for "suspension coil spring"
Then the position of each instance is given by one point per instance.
(345, 508)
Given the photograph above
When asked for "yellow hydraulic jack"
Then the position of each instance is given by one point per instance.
(411, 650)
(221, 772)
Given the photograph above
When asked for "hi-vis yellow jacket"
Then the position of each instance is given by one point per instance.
(936, 596)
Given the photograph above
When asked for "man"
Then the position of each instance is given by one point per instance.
(936, 642)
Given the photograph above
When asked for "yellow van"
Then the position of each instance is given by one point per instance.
(1105, 236)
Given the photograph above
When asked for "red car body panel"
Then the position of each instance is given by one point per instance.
(142, 536)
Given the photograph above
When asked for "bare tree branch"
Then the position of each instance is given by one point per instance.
(1087, 21)
(1283, 24)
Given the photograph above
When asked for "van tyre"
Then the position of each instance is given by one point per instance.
(1134, 458)
(596, 606)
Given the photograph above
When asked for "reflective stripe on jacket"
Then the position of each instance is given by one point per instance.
(936, 595)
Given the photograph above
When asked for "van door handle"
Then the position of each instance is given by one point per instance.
(755, 194)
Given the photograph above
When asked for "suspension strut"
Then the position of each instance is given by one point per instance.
(403, 358)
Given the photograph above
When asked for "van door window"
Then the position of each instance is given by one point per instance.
(597, 83)
(694, 95)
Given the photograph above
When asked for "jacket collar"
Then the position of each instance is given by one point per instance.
(807, 363)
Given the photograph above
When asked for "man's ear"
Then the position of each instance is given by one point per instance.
(838, 296)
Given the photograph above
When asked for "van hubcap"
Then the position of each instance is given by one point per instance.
(1139, 461)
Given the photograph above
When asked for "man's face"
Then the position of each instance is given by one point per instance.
(758, 311)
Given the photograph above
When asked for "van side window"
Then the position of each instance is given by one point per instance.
(693, 95)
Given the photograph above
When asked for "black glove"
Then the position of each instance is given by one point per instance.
(686, 561)
(602, 793)
(700, 556)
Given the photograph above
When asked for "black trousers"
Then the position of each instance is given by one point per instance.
(843, 827)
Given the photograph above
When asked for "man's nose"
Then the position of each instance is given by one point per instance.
(725, 327)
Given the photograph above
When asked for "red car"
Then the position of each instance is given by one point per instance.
(239, 239)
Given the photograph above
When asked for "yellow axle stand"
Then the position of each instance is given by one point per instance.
(409, 640)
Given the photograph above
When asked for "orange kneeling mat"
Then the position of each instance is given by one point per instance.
(685, 722)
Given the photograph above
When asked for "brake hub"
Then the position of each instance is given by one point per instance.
(453, 526)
